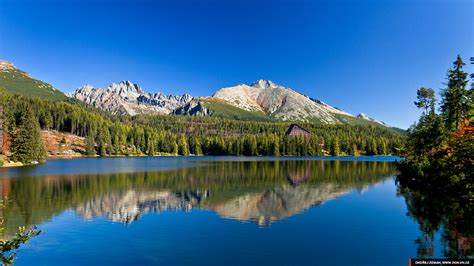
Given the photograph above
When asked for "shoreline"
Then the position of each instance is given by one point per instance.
(9, 164)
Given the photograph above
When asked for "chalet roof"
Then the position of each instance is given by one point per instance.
(296, 126)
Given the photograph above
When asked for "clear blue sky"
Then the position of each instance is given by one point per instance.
(361, 56)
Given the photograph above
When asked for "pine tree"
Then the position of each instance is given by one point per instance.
(253, 151)
(372, 150)
(470, 113)
(426, 100)
(238, 147)
(383, 147)
(195, 145)
(274, 145)
(456, 99)
(27, 145)
(90, 145)
(336, 147)
(428, 133)
(174, 148)
(103, 141)
(183, 146)
(320, 146)
(116, 144)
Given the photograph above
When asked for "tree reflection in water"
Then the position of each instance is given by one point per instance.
(259, 191)
(452, 216)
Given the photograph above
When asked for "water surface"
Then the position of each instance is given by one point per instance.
(220, 211)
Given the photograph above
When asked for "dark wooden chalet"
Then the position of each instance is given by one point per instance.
(296, 130)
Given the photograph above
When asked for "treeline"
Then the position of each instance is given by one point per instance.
(326, 139)
(107, 134)
(440, 147)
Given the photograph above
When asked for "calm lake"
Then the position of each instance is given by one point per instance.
(225, 211)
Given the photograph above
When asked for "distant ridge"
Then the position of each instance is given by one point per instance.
(263, 100)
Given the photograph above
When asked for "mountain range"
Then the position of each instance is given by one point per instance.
(128, 98)
(263, 100)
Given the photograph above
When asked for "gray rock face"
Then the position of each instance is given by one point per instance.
(129, 98)
(279, 102)
(194, 108)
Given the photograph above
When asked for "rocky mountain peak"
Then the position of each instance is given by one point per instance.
(84, 91)
(8, 67)
(86, 87)
(186, 97)
(264, 84)
(127, 88)
(4, 65)
(279, 102)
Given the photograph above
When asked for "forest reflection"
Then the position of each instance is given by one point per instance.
(452, 217)
(259, 191)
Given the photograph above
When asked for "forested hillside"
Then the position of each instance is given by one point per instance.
(108, 134)
(19, 82)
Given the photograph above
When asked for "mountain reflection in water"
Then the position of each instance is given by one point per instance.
(259, 191)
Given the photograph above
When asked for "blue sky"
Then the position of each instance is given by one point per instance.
(362, 56)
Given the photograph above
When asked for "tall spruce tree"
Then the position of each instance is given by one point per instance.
(183, 146)
(336, 147)
(428, 133)
(90, 145)
(195, 145)
(470, 113)
(103, 141)
(456, 99)
(26, 144)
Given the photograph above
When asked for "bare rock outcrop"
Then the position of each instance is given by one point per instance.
(279, 102)
(129, 98)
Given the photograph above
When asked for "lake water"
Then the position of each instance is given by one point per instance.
(222, 211)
